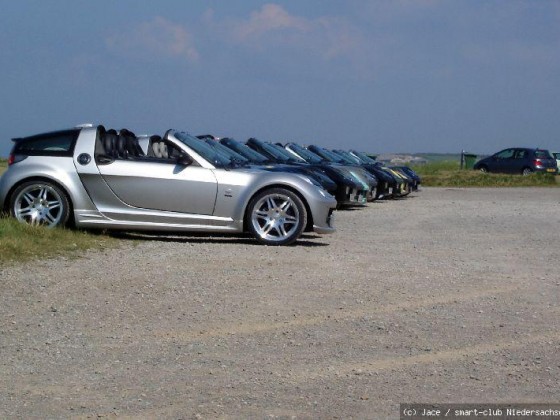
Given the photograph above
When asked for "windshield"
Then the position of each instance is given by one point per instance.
(349, 156)
(542, 154)
(345, 159)
(271, 151)
(307, 155)
(287, 154)
(328, 155)
(234, 157)
(243, 150)
(365, 158)
(215, 157)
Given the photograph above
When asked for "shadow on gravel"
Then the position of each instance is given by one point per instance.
(206, 238)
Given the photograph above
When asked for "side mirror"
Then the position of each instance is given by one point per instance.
(184, 159)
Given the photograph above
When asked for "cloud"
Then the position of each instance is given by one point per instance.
(270, 18)
(157, 38)
(273, 26)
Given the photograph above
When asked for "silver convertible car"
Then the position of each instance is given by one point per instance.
(97, 178)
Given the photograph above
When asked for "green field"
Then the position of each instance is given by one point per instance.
(447, 173)
(3, 165)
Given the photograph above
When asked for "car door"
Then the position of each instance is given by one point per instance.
(502, 161)
(519, 161)
(162, 185)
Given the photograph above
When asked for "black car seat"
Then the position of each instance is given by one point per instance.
(131, 145)
(110, 143)
(99, 147)
(121, 151)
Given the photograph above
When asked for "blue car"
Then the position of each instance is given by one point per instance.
(518, 160)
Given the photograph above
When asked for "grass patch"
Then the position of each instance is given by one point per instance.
(3, 165)
(449, 174)
(21, 242)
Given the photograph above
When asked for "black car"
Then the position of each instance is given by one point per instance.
(518, 160)
(354, 168)
(416, 179)
(388, 184)
(349, 191)
(261, 162)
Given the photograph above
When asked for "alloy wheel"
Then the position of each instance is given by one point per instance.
(275, 217)
(40, 204)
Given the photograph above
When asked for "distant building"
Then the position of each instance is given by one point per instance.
(401, 159)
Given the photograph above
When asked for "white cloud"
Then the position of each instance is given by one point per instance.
(271, 17)
(159, 37)
(273, 26)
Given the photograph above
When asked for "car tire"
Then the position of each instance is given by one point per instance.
(526, 171)
(276, 216)
(40, 203)
(483, 169)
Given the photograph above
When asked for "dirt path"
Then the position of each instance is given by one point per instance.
(448, 296)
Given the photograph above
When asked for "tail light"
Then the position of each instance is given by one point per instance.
(13, 158)
(538, 162)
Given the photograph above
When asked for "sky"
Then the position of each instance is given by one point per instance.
(378, 76)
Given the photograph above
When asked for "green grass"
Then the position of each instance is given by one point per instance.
(449, 174)
(21, 242)
(3, 165)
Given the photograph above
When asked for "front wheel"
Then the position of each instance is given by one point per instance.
(483, 169)
(40, 203)
(276, 217)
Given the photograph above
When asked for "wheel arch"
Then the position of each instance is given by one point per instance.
(58, 184)
(308, 226)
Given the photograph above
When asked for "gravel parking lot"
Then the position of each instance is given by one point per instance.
(450, 295)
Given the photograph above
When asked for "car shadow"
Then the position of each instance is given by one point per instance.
(206, 238)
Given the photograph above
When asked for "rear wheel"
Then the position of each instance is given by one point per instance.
(40, 203)
(526, 171)
(276, 217)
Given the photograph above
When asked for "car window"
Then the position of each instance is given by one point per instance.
(520, 154)
(542, 154)
(505, 154)
(60, 143)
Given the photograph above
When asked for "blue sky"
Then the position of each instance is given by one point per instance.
(380, 76)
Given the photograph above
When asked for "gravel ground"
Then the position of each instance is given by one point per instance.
(450, 295)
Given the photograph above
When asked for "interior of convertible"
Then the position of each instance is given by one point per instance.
(111, 145)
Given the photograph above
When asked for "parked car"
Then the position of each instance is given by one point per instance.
(518, 160)
(387, 185)
(368, 178)
(416, 179)
(350, 190)
(99, 178)
(259, 161)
